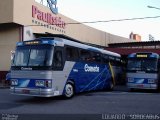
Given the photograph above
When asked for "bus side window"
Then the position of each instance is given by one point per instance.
(105, 59)
(58, 59)
(112, 60)
(85, 55)
(71, 53)
(96, 57)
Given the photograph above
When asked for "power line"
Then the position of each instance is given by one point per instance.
(105, 21)
(118, 20)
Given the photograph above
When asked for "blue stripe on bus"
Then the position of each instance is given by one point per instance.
(87, 81)
(140, 80)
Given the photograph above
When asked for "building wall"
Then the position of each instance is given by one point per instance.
(6, 11)
(22, 13)
(8, 39)
(78, 31)
(137, 37)
(118, 39)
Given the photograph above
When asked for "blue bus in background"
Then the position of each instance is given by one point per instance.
(56, 66)
(143, 71)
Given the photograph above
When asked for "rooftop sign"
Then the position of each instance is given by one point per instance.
(53, 6)
(47, 17)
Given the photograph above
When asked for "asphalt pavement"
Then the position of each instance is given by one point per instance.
(90, 105)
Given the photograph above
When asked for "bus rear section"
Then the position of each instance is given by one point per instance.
(142, 71)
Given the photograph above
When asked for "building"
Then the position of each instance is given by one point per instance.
(21, 20)
(135, 37)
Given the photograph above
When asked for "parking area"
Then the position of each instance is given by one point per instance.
(97, 105)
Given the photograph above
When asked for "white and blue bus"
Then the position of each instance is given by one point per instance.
(56, 66)
(143, 71)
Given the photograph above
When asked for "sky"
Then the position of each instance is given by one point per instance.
(104, 10)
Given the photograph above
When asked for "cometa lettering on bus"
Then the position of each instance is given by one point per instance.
(91, 68)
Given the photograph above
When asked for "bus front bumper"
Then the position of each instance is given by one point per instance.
(142, 86)
(34, 92)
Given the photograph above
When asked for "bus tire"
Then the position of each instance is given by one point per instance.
(69, 90)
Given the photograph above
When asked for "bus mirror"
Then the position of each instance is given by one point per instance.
(12, 55)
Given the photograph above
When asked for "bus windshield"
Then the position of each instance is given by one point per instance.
(33, 56)
(142, 65)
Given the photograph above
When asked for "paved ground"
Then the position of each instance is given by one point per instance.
(3, 85)
(93, 105)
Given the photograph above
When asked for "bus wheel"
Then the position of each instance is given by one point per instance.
(69, 90)
(111, 85)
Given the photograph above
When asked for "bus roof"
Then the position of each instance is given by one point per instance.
(61, 42)
(88, 47)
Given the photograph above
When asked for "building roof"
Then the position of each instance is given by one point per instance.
(141, 43)
(124, 51)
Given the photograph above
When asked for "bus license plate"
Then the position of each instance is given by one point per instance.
(26, 91)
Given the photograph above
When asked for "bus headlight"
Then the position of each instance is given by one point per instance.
(130, 79)
(14, 82)
(151, 81)
(48, 83)
(40, 83)
(43, 83)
